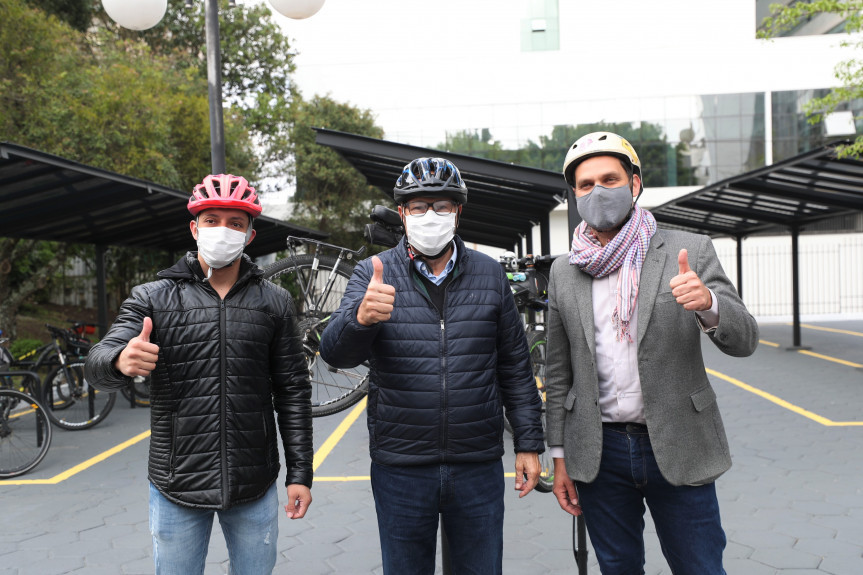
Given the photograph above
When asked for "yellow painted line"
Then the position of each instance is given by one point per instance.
(81, 466)
(337, 435)
(782, 403)
(830, 329)
(818, 355)
(828, 358)
(321, 454)
(346, 478)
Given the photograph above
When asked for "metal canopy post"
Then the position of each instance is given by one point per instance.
(572, 216)
(795, 287)
(101, 292)
(545, 235)
(740, 266)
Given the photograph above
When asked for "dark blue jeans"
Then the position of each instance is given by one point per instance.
(686, 518)
(412, 500)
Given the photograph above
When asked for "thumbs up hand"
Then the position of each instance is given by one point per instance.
(377, 304)
(688, 288)
(139, 356)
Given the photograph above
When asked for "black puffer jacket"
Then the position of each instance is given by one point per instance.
(439, 382)
(224, 365)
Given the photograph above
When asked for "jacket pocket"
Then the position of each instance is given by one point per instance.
(267, 440)
(173, 455)
(569, 402)
(703, 398)
(665, 297)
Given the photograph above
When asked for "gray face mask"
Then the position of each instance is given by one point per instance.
(605, 208)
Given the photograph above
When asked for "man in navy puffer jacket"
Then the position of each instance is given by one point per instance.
(446, 345)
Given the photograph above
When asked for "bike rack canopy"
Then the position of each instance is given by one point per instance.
(505, 201)
(46, 197)
(812, 187)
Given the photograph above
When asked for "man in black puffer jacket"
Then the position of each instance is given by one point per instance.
(224, 354)
(446, 345)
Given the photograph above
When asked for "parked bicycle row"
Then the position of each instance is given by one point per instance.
(46, 386)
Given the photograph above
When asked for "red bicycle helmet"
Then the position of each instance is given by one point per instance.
(225, 191)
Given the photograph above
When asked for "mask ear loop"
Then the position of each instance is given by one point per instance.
(640, 191)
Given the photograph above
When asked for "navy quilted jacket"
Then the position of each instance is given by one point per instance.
(439, 382)
(225, 367)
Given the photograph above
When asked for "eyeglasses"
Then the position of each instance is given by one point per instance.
(440, 207)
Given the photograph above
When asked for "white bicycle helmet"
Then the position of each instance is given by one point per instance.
(599, 144)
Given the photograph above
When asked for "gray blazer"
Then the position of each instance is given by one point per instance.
(680, 408)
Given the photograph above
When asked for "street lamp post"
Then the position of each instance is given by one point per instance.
(214, 86)
(144, 14)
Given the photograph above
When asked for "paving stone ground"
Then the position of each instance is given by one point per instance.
(792, 504)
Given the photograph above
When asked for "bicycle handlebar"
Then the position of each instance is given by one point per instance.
(386, 228)
(294, 241)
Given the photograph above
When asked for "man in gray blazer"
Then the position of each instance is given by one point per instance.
(631, 415)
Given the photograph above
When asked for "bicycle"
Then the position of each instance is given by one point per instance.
(71, 402)
(25, 431)
(528, 279)
(137, 392)
(317, 281)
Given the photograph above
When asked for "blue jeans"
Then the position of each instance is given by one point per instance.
(466, 497)
(181, 535)
(686, 517)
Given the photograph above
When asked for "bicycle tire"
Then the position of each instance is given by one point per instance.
(536, 343)
(317, 296)
(74, 405)
(142, 391)
(24, 440)
(536, 347)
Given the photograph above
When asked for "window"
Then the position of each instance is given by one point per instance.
(540, 28)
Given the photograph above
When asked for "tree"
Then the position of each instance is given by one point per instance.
(19, 262)
(849, 73)
(257, 63)
(76, 13)
(550, 151)
(474, 143)
(331, 195)
(113, 104)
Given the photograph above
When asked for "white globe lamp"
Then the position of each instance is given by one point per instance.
(136, 15)
(297, 9)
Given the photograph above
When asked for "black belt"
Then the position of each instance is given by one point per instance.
(625, 427)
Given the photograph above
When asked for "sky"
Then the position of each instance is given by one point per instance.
(420, 66)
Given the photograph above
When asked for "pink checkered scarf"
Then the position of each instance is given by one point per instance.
(625, 251)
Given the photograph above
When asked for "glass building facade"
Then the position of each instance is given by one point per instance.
(682, 140)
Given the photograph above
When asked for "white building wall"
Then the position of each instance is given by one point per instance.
(427, 69)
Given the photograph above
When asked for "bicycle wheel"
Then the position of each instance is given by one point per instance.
(71, 402)
(317, 284)
(142, 391)
(25, 433)
(536, 344)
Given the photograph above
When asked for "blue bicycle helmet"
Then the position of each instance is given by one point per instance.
(430, 177)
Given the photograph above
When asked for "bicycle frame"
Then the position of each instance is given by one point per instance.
(308, 290)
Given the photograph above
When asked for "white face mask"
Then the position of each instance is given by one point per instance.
(220, 246)
(429, 234)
